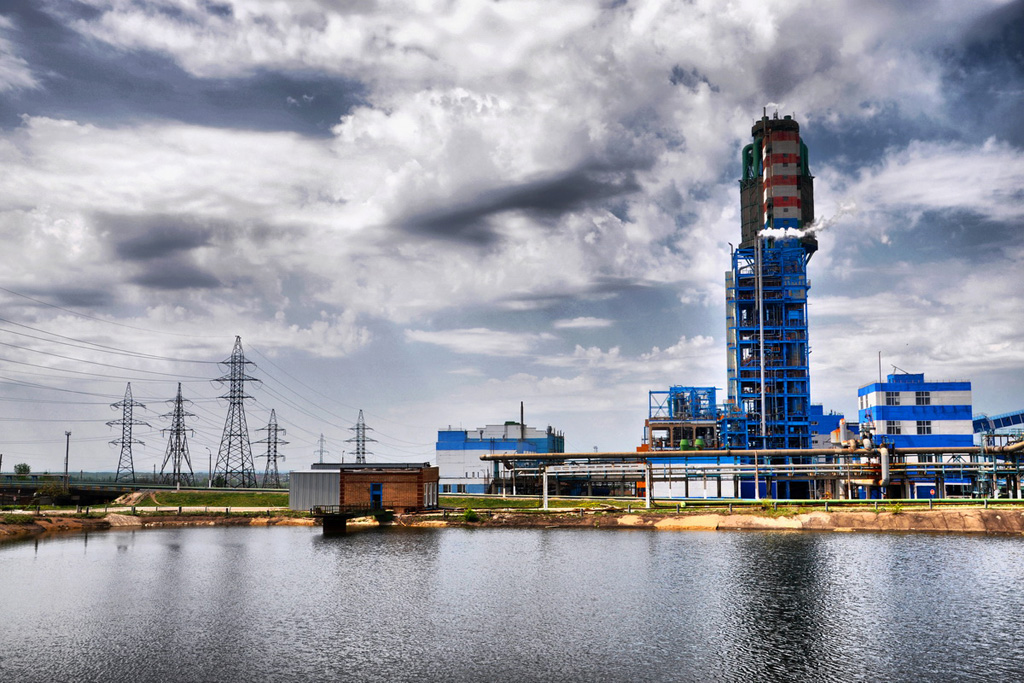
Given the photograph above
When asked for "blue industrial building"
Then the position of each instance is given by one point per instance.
(459, 450)
(907, 411)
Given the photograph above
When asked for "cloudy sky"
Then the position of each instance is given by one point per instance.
(432, 211)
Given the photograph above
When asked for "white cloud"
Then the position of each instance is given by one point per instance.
(15, 72)
(481, 341)
(584, 322)
(985, 179)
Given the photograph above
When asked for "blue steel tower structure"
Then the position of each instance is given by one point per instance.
(766, 289)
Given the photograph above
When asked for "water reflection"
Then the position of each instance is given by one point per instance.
(230, 604)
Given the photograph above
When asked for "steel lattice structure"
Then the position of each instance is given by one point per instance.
(321, 452)
(360, 439)
(177, 447)
(234, 459)
(273, 440)
(125, 465)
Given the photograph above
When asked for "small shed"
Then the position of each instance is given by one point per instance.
(401, 487)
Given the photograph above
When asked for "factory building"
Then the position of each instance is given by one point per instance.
(907, 411)
(402, 487)
(459, 451)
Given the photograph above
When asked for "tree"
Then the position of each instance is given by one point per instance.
(22, 468)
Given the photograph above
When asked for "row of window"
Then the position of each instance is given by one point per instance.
(921, 398)
(894, 427)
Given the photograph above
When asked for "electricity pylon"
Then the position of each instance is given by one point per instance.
(125, 466)
(177, 446)
(271, 475)
(234, 459)
(360, 439)
(320, 449)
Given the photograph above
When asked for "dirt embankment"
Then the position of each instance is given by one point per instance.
(959, 520)
(32, 525)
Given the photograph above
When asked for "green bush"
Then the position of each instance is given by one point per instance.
(470, 516)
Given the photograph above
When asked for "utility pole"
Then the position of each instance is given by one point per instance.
(67, 452)
(360, 439)
(125, 465)
(273, 440)
(234, 460)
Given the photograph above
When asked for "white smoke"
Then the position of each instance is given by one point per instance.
(845, 209)
(780, 233)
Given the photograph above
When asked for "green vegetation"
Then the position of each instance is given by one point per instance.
(18, 519)
(22, 469)
(533, 502)
(54, 492)
(215, 499)
(470, 516)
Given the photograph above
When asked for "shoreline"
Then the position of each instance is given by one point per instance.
(949, 520)
(55, 523)
(972, 520)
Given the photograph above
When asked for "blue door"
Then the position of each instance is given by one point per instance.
(376, 496)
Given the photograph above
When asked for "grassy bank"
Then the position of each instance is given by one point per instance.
(214, 499)
(495, 503)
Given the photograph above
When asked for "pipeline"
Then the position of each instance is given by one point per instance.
(767, 453)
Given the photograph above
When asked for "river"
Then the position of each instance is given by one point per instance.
(516, 605)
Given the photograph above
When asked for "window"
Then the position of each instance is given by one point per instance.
(892, 398)
(924, 426)
(892, 427)
(460, 488)
(923, 398)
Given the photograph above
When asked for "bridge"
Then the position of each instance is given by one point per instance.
(984, 423)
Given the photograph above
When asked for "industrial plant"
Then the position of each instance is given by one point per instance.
(912, 438)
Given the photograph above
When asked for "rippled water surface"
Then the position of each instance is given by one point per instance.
(288, 604)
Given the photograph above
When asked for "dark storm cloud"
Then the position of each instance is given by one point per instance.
(89, 81)
(153, 237)
(784, 69)
(984, 74)
(973, 238)
(545, 199)
(691, 79)
(849, 143)
(162, 247)
(81, 297)
(174, 273)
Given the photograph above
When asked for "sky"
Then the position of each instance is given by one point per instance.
(433, 211)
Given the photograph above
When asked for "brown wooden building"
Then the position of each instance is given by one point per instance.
(401, 487)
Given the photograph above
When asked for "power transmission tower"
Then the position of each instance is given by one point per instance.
(177, 446)
(125, 466)
(234, 459)
(273, 441)
(360, 439)
(320, 449)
